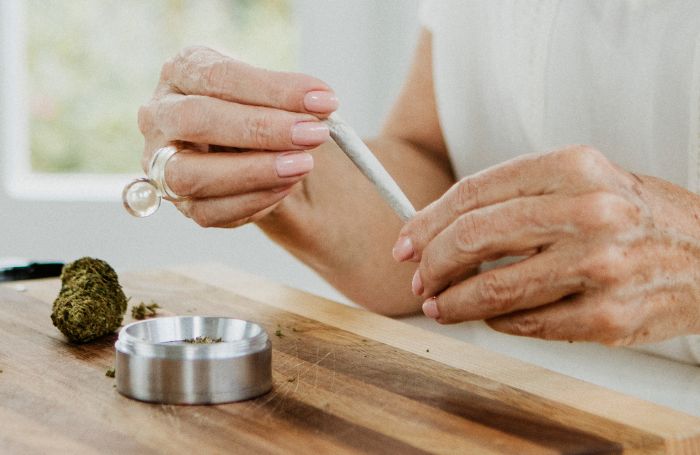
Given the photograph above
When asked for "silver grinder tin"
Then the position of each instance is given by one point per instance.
(154, 364)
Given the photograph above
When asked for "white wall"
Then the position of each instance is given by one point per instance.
(362, 48)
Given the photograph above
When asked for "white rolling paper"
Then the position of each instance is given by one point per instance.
(350, 143)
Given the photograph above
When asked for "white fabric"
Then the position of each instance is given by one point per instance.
(517, 76)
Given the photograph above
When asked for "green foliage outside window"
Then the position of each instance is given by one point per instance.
(92, 63)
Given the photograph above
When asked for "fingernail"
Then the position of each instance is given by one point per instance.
(310, 133)
(320, 101)
(417, 283)
(430, 308)
(294, 163)
(403, 249)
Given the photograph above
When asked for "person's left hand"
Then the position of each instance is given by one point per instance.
(596, 265)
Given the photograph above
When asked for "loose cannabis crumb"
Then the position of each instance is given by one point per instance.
(91, 303)
(290, 380)
(203, 340)
(110, 372)
(143, 311)
(279, 333)
(294, 329)
(427, 350)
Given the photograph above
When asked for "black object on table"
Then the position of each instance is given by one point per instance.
(30, 271)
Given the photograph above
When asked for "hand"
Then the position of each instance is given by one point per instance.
(259, 122)
(597, 267)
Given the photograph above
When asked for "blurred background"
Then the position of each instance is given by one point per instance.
(74, 73)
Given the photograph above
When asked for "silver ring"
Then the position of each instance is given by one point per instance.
(156, 171)
(142, 197)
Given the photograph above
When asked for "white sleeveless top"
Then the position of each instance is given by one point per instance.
(518, 76)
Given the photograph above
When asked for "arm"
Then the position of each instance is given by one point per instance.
(335, 221)
(262, 126)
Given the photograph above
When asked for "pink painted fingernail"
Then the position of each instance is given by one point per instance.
(294, 163)
(310, 133)
(417, 283)
(320, 101)
(403, 249)
(430, 308)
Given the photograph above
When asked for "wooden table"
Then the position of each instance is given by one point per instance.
(345, 381)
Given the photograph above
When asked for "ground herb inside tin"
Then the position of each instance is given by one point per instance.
(91, 302)
(203, 340)
(143, 311)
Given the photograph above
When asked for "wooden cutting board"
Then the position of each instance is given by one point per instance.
(345, 381)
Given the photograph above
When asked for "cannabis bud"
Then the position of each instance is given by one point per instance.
(91, 303)
(143, 311)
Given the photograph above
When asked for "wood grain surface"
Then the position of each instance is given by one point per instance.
(345, 381)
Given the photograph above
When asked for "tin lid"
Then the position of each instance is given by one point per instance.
(166, 337)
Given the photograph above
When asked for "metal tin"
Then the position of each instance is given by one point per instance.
(155, 364)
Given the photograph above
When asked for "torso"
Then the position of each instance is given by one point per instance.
(513, 77)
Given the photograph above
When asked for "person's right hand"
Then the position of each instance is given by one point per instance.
(260, 123)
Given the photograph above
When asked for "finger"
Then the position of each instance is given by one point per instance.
(589, 317)
(570, 171)
(638, 305)
(203, 71)
(532, 282)
(207, 120)
(490, 233)
(514, 226)
(255, 217)
(206, 175)
(232, 210)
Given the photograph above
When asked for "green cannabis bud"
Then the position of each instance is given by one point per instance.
(91, 303)
(143, 311)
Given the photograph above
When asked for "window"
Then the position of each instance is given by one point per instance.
(75, 72)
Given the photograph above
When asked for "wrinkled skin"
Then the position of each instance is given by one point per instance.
(598, 265)
(610, 256)
(274, 165)
(208, 102)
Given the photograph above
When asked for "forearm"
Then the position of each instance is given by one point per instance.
(337, 223)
